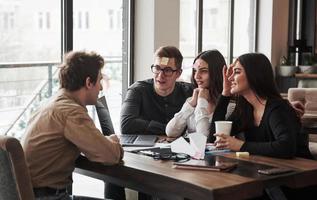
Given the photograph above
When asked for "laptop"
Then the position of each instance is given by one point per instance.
(138, 140)
(125, 139)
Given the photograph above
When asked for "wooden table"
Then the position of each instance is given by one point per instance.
(158, 178)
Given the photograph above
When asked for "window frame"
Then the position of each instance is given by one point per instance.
(199, 28)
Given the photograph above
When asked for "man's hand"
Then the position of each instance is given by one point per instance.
(298, 107)
(114, 138)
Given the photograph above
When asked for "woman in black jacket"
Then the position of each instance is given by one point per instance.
(263, 122)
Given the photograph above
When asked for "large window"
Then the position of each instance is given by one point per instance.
(97, 26)
(32, 44)
(30, 49)
(244, 27)
(227, 25)
(215, 34)
(187, 35)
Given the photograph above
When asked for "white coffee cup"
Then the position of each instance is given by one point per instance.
(223, 127)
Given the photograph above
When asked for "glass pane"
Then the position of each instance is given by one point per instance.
(30, 30)
(30, 39)
(244, 27)
(216, 26)
(22, 90)
(98, 27)
(187, 35)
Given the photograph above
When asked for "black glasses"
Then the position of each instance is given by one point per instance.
(177, 157)
(167, 71)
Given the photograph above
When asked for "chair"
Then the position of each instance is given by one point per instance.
(104, 116)
(308, 96)
(15, 180)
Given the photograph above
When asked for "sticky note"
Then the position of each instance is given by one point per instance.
(242, 154)
(163, 60)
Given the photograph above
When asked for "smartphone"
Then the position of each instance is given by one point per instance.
(274, 171)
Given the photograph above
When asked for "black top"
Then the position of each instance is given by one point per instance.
(145, 112)
(278, 134)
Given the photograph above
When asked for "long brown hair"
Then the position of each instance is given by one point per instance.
(215, 62)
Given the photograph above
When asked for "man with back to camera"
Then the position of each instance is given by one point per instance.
(62, 129)
(150, 104)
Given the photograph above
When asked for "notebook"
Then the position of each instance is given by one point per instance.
(125, 139)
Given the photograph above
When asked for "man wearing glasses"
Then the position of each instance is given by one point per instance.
(150, 104)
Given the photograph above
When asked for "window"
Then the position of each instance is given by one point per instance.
(105, 42)
(228, 26)
(187, 37)
(28, 57)
(244, 27)
(31, 50)
(216, 26)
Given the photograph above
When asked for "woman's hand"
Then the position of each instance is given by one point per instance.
(226, 73)
(204, 93)
(193, 100)
(224, 141)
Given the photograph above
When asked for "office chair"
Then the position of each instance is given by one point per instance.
(104, 116)
(15, 180)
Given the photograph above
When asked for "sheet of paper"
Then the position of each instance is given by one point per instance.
(181, 146)
(196, 147)
(198, 142)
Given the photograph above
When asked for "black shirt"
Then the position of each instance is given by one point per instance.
(278, 134)
(145, 112)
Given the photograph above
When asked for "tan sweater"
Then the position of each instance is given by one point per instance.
(55, 137)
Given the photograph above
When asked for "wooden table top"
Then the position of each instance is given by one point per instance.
(306, 76)
(159, 178)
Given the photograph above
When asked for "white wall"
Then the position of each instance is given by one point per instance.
(273, 29)
(156, 24)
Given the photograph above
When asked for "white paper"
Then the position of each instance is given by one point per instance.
(198, 142)
(195, 149)
(181, 146)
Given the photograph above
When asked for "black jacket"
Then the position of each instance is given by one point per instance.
(278, 135)
(145, 112)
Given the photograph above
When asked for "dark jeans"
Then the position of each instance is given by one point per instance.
(64, 196)
(52, 194)
(114, 192)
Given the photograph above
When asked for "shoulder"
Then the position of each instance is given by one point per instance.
(280, 108)
(278, 104)
(67, 107)
(184, 86)
(138, 85)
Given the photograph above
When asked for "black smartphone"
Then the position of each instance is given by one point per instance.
(274, 171)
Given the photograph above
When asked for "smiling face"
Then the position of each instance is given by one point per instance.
(163, 84)
(239, 81)
(201, 73)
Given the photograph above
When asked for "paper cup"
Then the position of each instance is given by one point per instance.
(223, 127)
